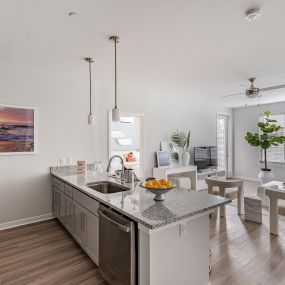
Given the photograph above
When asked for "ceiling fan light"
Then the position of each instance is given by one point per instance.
(252, 93)
(116, 115)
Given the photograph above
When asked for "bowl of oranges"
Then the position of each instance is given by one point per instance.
(158, 187)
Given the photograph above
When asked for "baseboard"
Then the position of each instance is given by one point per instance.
(255, 179)
(27, 221)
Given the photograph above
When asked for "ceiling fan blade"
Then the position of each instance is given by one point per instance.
(232, 95)
(272, 88)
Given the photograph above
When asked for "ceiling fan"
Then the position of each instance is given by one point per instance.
(253, 91)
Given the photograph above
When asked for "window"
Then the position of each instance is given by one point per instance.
(276, 154)
(222, 141)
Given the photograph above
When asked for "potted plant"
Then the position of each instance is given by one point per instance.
(182, 141)
(267, 137)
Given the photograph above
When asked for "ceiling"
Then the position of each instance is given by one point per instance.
(202, 45)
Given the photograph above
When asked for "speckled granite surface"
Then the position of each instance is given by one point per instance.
(68, 169)
(138, 203)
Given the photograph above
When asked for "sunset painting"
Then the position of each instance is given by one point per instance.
(16, 130)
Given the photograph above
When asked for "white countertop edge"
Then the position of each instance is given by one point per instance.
(150, 231)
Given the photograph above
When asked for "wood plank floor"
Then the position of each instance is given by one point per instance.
(243, 253)
(44, 254)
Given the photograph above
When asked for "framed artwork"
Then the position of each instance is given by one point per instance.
(172, 150)
(17, 130)
(162, 158)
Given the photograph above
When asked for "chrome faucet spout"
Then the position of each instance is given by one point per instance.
(122, 162)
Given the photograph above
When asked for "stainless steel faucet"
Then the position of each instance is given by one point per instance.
(123, 166)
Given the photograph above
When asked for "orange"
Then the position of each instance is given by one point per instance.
(148, 185)
(163, 181)
(155, 182)
(168, 184)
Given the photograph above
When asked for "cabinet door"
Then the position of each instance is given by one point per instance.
(92, 236)
(62, 208)
(69, 214)
(79, 224)
(56, 202)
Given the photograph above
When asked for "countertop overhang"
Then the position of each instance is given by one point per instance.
(138, 203)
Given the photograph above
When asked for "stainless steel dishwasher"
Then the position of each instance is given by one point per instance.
(117, 248)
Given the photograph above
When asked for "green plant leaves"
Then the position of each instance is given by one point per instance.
(268, 136)
(173, 154)
(181, 139)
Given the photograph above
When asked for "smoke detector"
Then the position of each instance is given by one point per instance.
(251, 14)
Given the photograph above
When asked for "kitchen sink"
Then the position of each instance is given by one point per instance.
(107, 187)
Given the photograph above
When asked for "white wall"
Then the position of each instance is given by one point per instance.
(246, 157)
(24, 179)
(165, 109)
(62, 102)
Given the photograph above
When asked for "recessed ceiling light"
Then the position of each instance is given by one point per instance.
(253, 13)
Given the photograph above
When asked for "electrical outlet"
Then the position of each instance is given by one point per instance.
(182, 229)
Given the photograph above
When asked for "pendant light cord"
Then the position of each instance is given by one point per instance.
(90, 85)
(115, 72)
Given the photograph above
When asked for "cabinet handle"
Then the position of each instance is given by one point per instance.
(82, 216)
(70, 211)
(56, 198)
(120, 227)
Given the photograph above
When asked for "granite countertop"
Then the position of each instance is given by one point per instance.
(138, 203)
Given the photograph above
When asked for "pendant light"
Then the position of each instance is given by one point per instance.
(91, 117)
(115, 111)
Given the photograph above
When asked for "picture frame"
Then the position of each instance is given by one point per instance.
(170, 147)
(162, 158)
(18, 130)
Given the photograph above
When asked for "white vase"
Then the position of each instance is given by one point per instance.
(185, 158)
(265, 176)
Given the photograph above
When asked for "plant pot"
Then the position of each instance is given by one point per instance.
(185, 158)
(265, 175)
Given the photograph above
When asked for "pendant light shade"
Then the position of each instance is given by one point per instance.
(91, 117)
(116, 115)
(115, 111)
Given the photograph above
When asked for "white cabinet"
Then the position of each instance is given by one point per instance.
(86, 231)
(78, 213)
(79, 224)
(62, 207)
(59, 201)
(59, 205)
(69, 214)
(56, 202)
(92, 236)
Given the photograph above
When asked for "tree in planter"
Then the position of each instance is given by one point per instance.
(267, 137)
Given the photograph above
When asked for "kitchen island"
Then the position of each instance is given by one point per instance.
(173, 235)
